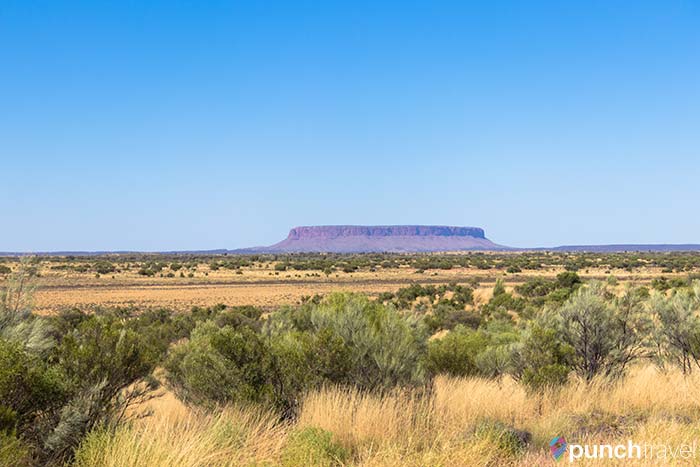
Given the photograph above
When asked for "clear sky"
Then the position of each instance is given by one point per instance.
(157, 125)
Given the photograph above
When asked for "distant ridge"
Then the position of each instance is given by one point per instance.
(219, 251)
(658, 248)
(384, 239)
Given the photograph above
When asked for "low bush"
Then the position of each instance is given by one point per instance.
(510, 442)
(343, 339)
(219, 365)
(467, 352)
(455, 354)
(542, 360)
(313, 447)
(446, 317)
(29, 388)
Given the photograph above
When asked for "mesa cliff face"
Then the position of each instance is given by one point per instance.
(382, 238)
(335, 231)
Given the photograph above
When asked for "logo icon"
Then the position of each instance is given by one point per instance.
(557, 447)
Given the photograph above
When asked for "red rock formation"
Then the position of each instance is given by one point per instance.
(382, 238)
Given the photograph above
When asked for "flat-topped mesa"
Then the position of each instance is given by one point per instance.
(335, 231)
(381, 238)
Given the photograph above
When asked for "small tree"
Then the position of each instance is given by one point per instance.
(678, 336)
(542, 360)
(633, 326)
(604, 336)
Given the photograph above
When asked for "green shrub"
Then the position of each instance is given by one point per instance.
(568, 279)
(28, 388)
(544, 360)
(236, 317)
(345, 339)
(446, 317)
(510, 442)
(455, 354)
(219, 365)
(678, 334)
(102, 361)
(536, 287)
(467, 352)
(104, 267)
(313, 447)
(104, 348)
(663, 284)
(591, 333)
(501, 304)
(306, 359)
(497, 359)
(386, 348)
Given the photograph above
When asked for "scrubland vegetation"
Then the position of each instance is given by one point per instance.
(181, 265)
(180, 281)
(425, 375)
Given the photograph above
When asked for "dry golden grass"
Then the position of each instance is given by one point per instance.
(232, 437)
(184, 297)
(443, 429)
(648, 407)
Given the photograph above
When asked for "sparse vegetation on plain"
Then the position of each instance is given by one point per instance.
(480, 370)
(181, 281)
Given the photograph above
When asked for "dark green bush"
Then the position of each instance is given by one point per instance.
(544, 361)
(28, 389)
(446, 317)
(568, 279)
(455, 354)
(104, 267)
(236, 317)
(345, 339)
(537, 287)
(104, 348)
(386, 348)
(219, 365)
(102, 361)
(502, 304)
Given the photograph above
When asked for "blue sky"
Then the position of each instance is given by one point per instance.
(193, 125)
